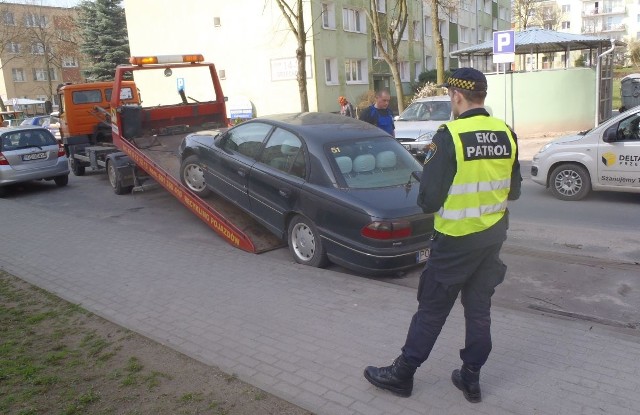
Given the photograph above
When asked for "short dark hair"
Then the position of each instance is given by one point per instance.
(477, 97)
(383, 91)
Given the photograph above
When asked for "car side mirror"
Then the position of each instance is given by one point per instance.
(610, 134)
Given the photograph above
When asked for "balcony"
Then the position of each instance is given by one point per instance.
(604, 28)
(604, 11)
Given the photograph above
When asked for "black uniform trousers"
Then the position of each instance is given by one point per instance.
(475, 273)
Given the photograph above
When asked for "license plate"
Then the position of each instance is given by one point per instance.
(407, 146)
(34, 156)
(422, 255)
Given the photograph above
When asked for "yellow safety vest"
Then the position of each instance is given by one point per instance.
(477, 199)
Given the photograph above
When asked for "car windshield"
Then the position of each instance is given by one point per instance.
(427, 111)
(372, 163)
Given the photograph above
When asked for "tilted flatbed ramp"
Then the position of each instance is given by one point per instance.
(158, 156)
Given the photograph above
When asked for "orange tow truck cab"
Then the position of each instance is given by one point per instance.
(84, 110)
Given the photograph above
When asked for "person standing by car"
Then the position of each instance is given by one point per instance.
(470, 170)
(346, 108)
(379, 113)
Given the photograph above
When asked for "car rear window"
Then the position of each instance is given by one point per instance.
(23, 139)
(372, 163)
(427, 111)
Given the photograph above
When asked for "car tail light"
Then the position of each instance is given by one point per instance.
(3, 160)
(387, 229)
(61, 152)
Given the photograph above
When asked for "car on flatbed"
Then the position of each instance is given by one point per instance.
(336, 189)
(31, 153)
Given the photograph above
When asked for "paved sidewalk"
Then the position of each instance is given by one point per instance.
(305, 334)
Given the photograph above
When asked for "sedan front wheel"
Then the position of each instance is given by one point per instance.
(305, 244)
(192, 176)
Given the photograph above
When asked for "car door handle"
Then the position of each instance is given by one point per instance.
(242, 172)
(284, 193)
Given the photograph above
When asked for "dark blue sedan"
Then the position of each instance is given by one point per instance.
(335, 188)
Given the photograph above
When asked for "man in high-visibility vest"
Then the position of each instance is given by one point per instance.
(470, 170)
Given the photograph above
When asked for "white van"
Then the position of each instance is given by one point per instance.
(605, 158)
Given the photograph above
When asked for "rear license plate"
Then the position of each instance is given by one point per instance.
(422, 255)
(34, 156)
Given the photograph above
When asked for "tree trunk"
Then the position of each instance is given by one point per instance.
(437, 37)
(301, 55)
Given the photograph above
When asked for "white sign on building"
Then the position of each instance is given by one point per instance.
(286, 69)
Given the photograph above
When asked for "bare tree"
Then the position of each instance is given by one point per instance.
(548, 15)
(11, 36)
(389, 32)
(523, 13)
(295, 19)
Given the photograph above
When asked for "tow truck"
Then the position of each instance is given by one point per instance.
(146, 136)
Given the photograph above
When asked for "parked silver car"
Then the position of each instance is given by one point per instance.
(31, 153)
(418, 123)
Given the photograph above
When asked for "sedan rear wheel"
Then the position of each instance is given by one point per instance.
(569, 182)
(192, 176)
(61, 180)
(305, 244)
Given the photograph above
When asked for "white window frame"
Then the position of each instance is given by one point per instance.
(18, 75)
(35, 20)
(464, 34)
(417, 70)
(353, 20)
(53, 75)
(566, 8)
(356, 71)
(382, 6)
(331, 71)
(8, 18)
(376, 51)
(69, 62)
(417, 33)
(37, 48)
(13, 47)
(328, 15)
(566, 24)
(39, 74)
(404, 70)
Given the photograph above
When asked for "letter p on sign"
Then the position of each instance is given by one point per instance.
(504, 46)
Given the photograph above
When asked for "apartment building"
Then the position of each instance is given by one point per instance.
(254, 48)
(38, 51)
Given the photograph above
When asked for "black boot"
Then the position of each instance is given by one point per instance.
(468, 381)
(397, 378)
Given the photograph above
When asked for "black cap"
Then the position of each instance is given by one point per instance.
(467, 78)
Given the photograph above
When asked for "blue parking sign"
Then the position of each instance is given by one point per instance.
(504, 46)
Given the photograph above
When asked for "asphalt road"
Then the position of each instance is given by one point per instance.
(573, 259)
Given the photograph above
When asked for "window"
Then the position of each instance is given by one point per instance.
(7, 18)
(382, 6)
(18, 74)
(222, 74)
(39, 74)
(355, 71)
(403, 68)
(37, 48)
(376, 52)
(34, 20)
(284, 152)
(415, 28)
(488, 34)
(566, 25)
(417, 70)
(566, 8)
(427, 26)
(331, 71)
(69, 62)
(465, 4)
(487, 6)
(353, 20)
(464, 34)
(52, 74)
(13, 47)
(628, 129)
(216, 22)
(405, 34)
(548, 26)
(246, 139)
(91, 96)
(328, 16)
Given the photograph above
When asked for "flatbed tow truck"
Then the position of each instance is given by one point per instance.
(145, 138)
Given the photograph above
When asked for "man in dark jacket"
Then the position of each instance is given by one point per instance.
(470, 170)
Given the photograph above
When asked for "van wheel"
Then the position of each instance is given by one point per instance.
(569, 182)
(192, 176)
(76, 167)
(115, 180)
(305, 244)
(61, 180)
